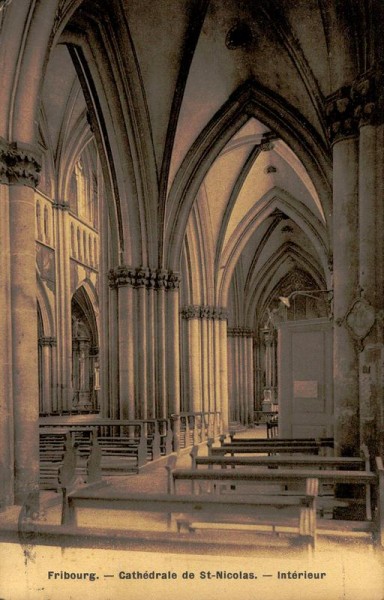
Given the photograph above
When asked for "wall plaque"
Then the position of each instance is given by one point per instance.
(305, 389)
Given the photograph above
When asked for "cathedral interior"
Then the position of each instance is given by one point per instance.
(192, 218)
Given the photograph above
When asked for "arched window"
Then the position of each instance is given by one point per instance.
(46, 225)
(85, 247)
(79, 252)
(38, 220)
(90, 253)
(73, 244)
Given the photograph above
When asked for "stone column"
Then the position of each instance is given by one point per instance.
(108, 399)
(63, 305)
(251, 377)
(22, 167)
(111, 382)
(148, 334)
(211, 361)
(343, 133)
(151, 345)
(122, 278)
(369, 107)
(47, 344)
(173, 346)
(6, 378)
(201, 368)
(160, 343)
(192, 316)
(222, 315)
(216, 365)
(173, 349)
(240, 371)
(141, 347)
(205, 398)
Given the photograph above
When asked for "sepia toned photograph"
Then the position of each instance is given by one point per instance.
(191, 299)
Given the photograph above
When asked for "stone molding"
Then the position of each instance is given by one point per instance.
(150, 279)
(61, 205)
(353, 106)
(47, 341)
(240, 332)
(19, 164)
(195, 311)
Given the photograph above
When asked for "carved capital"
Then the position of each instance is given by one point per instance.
(195, 311)
(356, 105)
(151, 279)
(340, 113)
(368, 97)
(19, 164)
(142, 278)
(190, 312)
(121, 276)
(47, 341)
(220, 313)
(61, 205)
(239, 332)
(173, 281)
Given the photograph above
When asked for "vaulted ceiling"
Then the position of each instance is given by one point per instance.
(212, 111)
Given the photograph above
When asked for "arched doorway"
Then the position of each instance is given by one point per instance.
(85, 354)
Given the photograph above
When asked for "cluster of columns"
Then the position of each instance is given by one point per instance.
(62, 395)
(144, 340)
(355, 115)
(47, 373)
(241, 375)
(19, 405)
(204, 355)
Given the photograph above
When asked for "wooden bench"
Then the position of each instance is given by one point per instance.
(265, 448)
(125, 447)
(323, 442)
(215, 510)
(338, 462)
(285, 476)
(63, 461)
(282, 461)
(122, 455)
(57, 456)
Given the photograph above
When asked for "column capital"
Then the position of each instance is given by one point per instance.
(47, 341)
(195, 311)
(239, 332)
(20, 164)
(61, 205)
(143, 277)
(355, 105)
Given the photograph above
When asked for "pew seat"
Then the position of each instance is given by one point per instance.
(227, 510)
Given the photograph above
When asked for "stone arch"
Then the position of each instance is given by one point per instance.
(249, 100)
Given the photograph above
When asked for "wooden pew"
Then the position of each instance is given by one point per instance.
(360, 463)
(281, 461)
(324, 442)
(268, 447)
(63, 459)
(122, 455)
(212, 509)
(124, 445)
(166, 437)
(292, 476)
(57, 461)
